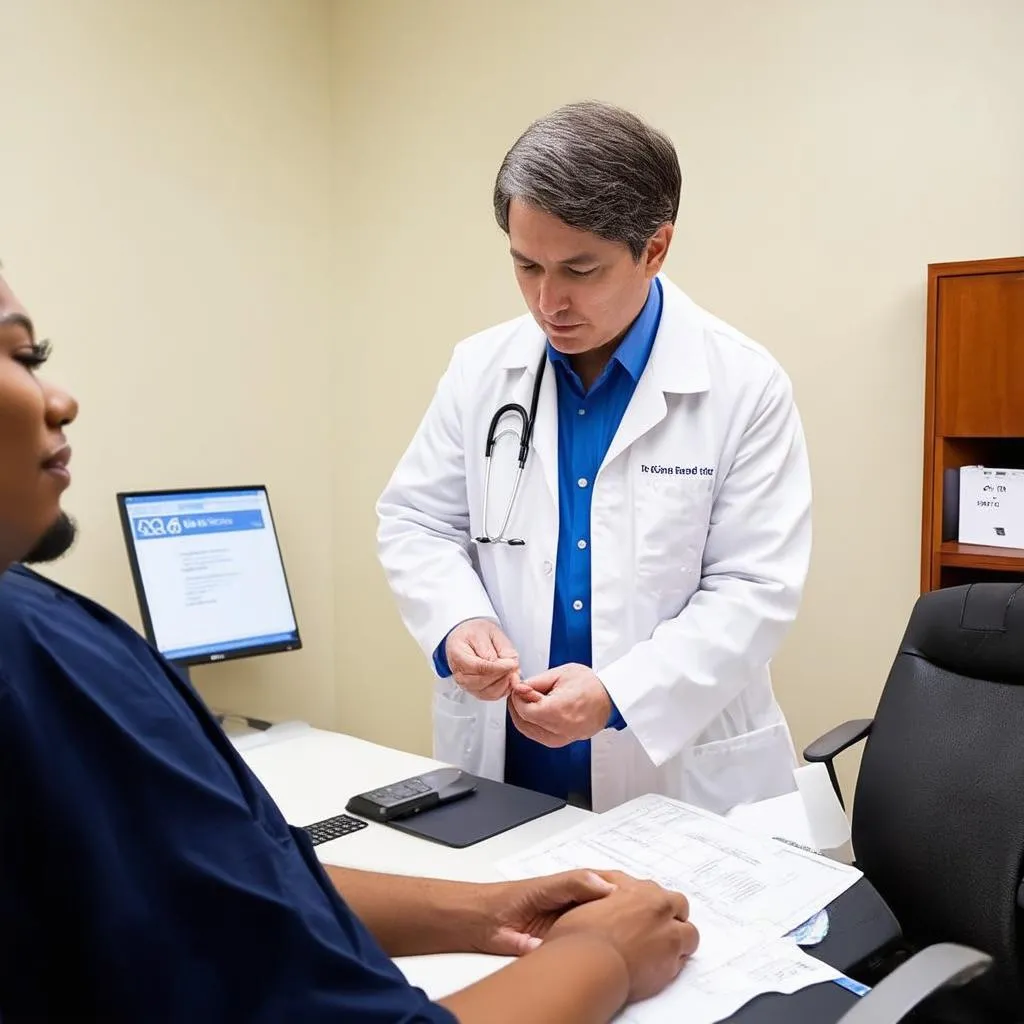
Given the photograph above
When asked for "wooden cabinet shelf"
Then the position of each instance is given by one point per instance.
(974, 407)
(979, 556)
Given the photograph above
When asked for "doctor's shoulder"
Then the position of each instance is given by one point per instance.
(739, 365)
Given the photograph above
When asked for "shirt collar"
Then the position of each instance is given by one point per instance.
(635, 348)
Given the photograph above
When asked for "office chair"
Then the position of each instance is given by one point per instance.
(935, 969)
(938, 821)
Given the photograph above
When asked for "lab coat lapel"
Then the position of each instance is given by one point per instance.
(646, 409)
(678, 365)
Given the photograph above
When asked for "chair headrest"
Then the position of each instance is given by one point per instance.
(975, 631)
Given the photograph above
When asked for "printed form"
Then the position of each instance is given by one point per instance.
(746, 893)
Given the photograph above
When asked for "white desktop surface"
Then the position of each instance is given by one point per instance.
(311, 773)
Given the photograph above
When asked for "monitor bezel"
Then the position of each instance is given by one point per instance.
(215, 658)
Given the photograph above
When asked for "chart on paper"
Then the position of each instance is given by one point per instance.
(746, 893)
(737, 878)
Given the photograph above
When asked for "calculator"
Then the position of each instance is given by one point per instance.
(333, 828)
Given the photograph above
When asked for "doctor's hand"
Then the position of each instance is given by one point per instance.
(482, 659)
(560, 706)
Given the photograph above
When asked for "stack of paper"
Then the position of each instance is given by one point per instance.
(746, 893)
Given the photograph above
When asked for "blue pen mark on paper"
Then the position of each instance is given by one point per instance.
(811, 932)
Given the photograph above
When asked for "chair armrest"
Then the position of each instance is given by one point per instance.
(826, 748)
(935, 968)
(834, 742)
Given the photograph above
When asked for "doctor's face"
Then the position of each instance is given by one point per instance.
(583, 290)
(34, 453)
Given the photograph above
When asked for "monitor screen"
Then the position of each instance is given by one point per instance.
(208, 573)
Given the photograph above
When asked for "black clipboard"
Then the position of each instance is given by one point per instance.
(493, 808)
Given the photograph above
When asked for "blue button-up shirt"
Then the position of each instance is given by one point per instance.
(587, 422)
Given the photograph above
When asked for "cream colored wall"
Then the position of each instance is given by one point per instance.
(830, 150)
(166, 181)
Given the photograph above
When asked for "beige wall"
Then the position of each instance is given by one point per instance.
(166, 177)
(211, 205)
(830, 150)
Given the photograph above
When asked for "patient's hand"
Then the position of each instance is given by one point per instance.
(517, 916)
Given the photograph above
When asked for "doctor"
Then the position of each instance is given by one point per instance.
(601, 603)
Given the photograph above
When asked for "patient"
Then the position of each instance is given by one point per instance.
(145, 874)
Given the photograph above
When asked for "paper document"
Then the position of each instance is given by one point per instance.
(746, 892)
(703, 995)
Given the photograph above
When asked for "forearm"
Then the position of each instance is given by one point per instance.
(413, 916)
(572, 980)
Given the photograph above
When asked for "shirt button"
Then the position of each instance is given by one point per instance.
(548, 568)
(582, 482)
(581, 544)
(578, 605)
(581, 412)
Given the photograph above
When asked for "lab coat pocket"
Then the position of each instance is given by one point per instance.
(742, 769)
(457, 722)
(672, 516)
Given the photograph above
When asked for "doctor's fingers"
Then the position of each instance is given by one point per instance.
(485, 671)
(503, 647)
(497, 690)
(525, 692)
(484, 689)
(487, 641)
(545, 682)
(535, 732)
(487, 686)
(549, 713)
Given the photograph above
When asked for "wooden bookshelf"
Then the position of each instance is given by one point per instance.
(974, 404)
(979, 556)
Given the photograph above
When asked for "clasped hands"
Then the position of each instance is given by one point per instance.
(647, 925)
(555, 708)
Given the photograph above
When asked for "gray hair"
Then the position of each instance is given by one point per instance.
(596, 167)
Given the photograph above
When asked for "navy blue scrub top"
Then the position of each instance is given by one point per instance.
(145, 874)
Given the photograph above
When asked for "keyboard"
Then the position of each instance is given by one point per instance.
(333, 828)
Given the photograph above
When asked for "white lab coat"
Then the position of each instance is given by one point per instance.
(700, 542)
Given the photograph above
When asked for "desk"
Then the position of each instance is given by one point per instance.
(311, 773)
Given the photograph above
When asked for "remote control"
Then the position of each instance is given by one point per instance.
(410, 796)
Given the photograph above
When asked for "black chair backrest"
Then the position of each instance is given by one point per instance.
(938, 823)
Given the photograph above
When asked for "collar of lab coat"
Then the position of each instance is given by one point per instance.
(678, 363)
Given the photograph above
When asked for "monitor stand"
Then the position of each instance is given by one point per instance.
(260, 724)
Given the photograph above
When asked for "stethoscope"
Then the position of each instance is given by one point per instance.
(525, 435)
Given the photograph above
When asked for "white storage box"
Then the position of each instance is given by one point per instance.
(992, 507)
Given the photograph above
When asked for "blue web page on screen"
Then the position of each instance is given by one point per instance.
(211, 570)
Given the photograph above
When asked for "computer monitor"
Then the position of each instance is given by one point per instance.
(208, 573)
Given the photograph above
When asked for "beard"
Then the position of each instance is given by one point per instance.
(55, 543)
